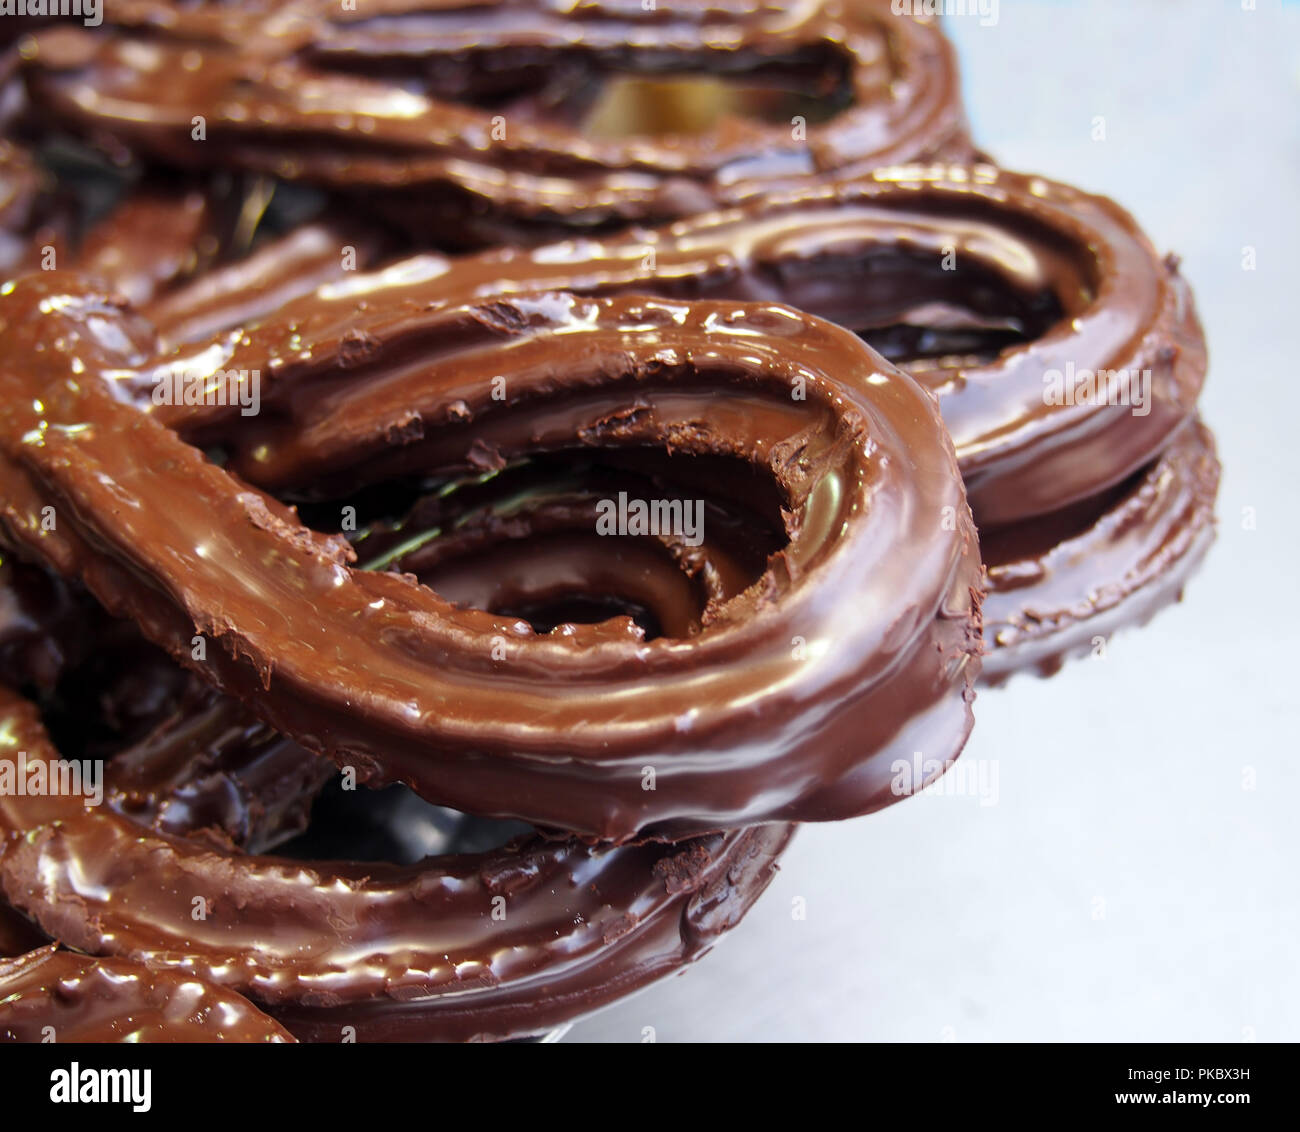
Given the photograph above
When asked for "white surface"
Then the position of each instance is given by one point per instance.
(1126, 885)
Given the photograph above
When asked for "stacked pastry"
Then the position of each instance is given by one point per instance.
(517, 576)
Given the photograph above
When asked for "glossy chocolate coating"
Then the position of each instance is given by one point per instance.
(780, 709)
(867, 254)
(82, 999)
(1056, 585)
(156, 235)
(282, 269)
(420, 102)
(184, 759)
(203, 771)
(1071, 272)
(352, 946)
(524, 543)
(1044, 275)
(499, 944)
(653, 907)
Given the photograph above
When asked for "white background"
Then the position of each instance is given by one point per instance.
(1126, 885)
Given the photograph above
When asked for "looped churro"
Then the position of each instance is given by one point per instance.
(996, 289)
(637, 535)
(984, 283)
(501, 943)
(1066, 354)
(585, 925)
(498, 944)
(777, 708)
(487, 122)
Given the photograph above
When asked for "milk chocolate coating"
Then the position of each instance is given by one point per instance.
(1057, 585)
(1076, 544)
(158, 235)
(283, 268)
(525, 543)
(500, 944)
(1070, 275)
(1067, 271)
(780, 708)
(117, 1000)
(192, 775)
(1043, 276)
(651, 908)
(702, 896)
(472, 117)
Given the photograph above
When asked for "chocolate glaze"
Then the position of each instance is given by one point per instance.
(281, 269)
(162, 776)
(1070, 273)
(399, 952)
(1055, 587)
(193, 775)
(117, 696)
(183, 758)
(780, 708)
(1044, 275)
(117, 1000)
(408, 99)
(853, 252)
(156, 236)
(173, 245)
(1091, 517)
